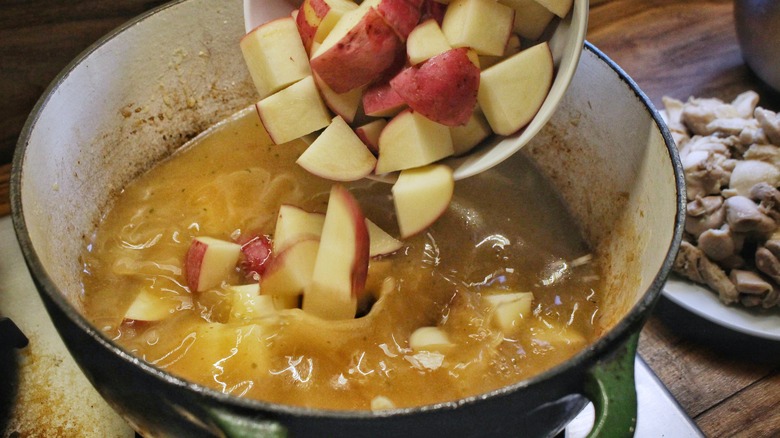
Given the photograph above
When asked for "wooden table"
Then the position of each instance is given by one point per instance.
(727, 382)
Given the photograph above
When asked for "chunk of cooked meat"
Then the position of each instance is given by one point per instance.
(771, 299)
(763, 152)
(707, 167)
(730, 153)
(704, 214)
(748, 173)
(746, 103)
(752, 136)
(744, 216)
(768, 198)
(768, 263)
(698, 113)
(770, 123)
(673, 114)
(748, 282)
(773, 244)
(730, 126)
(694, 265)
(720, 244)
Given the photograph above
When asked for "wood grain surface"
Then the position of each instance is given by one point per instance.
(727, 382)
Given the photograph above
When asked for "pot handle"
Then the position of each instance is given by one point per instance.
(234, 426)
(611, 387)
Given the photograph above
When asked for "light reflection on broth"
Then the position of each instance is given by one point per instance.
(500, 235)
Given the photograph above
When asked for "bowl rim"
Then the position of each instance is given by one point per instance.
(630, 322)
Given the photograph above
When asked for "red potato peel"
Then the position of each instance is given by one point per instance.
(255, 255)
(432, 9)
(380, 100)
(401, 15)
(443, 88)
(368, 49)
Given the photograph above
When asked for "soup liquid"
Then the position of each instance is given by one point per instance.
(500, 234)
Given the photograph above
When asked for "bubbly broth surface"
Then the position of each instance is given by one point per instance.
(500, 235)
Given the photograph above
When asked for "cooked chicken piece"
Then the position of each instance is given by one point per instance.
(770, 123)
(730, 126)
(771, 299)
(730, 153)
(673, 109)
(768, 263)
(768, 198)
(698, 113)
(745, 103)
(752, 136)
(748, 282)
(749, 300)
(715, 145)
(703, 214)
(707, 167)
(694, 265)
(763, 152)
(773, 244)
(743, 216)
(720, 244)
(748, 173)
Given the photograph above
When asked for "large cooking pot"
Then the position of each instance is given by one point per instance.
(142, 91)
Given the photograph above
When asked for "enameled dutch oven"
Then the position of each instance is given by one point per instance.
(142, 91)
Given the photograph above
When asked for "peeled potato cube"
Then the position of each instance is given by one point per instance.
(560, 8)
(380, 242)
(426, 41)
(369, 134)
(421, 196)
(531, 18)
(294, 224)
(412, 140)
(381, 402)
(249, 304)
(558, 336)
(338, 154)
(430, 339)
(512, 91)
(275, 56)
(209, 262)
(466, 137)
(509, 309)
(483, 25)
(293, 112)
(513, 46)
(147, 306)
(316, 18)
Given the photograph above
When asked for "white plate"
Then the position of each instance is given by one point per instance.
(703, 302)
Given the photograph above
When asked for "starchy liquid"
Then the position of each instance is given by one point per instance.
(500, 235)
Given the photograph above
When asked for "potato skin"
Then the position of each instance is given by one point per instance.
(366, 51)
(443, 88)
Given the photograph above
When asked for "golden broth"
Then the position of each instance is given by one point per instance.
(500, 234)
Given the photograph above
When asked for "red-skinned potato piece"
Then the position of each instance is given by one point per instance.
(255, 255)
(341, 267)
(443, 88)
(209, 261)
(316, 18)
(432, 9)
(401, 15)
(351, 59)
(380, 100)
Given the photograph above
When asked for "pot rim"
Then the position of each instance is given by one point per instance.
(632, 321)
